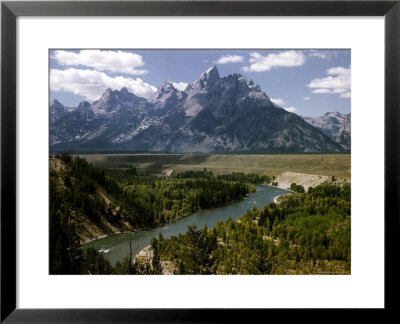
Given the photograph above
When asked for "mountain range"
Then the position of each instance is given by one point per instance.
(58, 110)
(212, 115)
(335, 125)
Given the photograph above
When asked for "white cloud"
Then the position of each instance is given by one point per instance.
(320, 54)
(339, 90)
(321, 91)
(290, 109)
(277, 101)
(281, 102)
(259, 63)
(230, 59)
(338, 81)
(307, 98)
(91, 84)
(113, 61)
(180, 85)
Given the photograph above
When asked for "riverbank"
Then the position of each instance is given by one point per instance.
(307, 180)
(118, 247)
(146, 255)
(277, 197)
(90, 232)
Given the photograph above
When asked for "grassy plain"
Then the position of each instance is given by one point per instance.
(338, 165)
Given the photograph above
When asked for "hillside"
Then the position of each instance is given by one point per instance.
(87, 203)
(304, 233)
(78, 190)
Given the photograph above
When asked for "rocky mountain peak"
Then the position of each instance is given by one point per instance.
(58, 110)
(107, 93)
(165, 91)
(55, 102)
(167, 86)
(165, 98)
(213, 114)
(84, 105)
(208, 78)
(114, 100)
(335, 125)
(241, 79)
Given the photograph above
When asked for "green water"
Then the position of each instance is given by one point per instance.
(115, 247)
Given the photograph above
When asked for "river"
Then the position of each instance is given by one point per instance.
(115, 247)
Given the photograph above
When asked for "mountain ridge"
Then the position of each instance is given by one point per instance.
(335, 125)
(213, 114)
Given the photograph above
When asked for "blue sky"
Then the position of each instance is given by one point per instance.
(306, 82)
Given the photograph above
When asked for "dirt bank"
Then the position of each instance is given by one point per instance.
(307, 180)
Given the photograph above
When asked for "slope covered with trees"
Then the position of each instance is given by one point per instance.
(304, 233)
(85, 199)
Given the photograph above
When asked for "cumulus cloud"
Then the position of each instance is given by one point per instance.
(307, 98)
(277, 101)
(338, 81)
(91, 84)
(107, 60)
(260, 63)
(180, 85)
(229, 59)
(290, 109)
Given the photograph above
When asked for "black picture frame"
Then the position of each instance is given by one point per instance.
(10, 10)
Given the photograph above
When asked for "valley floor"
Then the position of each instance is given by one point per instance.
(337, 165)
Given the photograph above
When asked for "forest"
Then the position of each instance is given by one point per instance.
(140, 200)
(305, 233)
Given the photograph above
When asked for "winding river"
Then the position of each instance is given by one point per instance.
(115, 247)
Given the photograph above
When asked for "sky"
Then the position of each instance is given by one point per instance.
(306, 82)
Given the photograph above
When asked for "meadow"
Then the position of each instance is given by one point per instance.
(337, 165)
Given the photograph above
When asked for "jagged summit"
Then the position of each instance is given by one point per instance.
(124, 90)
(84, 105)
(165, 98)
(335, 125)
(58, 110)
(113, 101)
(167, 86)
(207, 78)
(211, 73)
(211, 69)
(166, 90)
(213, 114)
(107, 93)
(55, 102)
